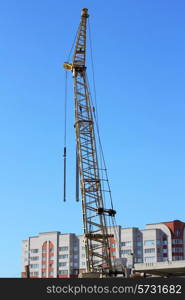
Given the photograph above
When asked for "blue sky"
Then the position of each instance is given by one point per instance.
(138, 50)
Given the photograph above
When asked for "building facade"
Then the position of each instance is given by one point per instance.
(52, 254)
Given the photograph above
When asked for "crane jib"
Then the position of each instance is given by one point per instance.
(99, 259)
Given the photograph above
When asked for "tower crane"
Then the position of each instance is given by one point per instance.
(96, 234)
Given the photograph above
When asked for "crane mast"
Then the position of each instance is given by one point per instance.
(97, 238)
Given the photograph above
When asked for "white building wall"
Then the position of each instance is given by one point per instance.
(82, 256)
(64, 254)
(149, 245)
(127, 245)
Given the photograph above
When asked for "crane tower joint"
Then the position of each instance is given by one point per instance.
(74, 67)
(68, 66)
(85, 13)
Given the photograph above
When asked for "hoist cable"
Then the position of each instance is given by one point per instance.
(65, 120)
(73, 44)
(96, 109)
(65, 136)
(96, 115)
(92, 66)
(99, 139)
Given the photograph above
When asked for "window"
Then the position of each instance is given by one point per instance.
(149, 259)
(34, 266)
(83, 255)
(34, 258)
(51, 258)
(158, 242)
(113, 253)
(75, 256)
(177, 241)
(177, 233)
(50, 273)
(50, 265)
(51, 250)
(139, 244)
(149, 242)
(62, 264)
(165, 242)
(34, 250)
(75, 265)
(63, 256)
(128, 252)
(43, 257)
(113, 245)
(165, 258)
(127, 243)
(63, 272)
(83, 263)
(36, 273)
(64, 248)
(139, 252)
(177, 250)
(83, 248)
(179, 257)
(44, 250)
(43, 266)
(149, 250)
(159, 250)
(139, 260)
(43, 273)
(165, 250)
(75, 248)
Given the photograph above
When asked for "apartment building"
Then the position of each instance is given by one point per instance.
(52, 254)
(171, 241)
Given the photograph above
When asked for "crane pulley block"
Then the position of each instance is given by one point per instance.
(110, 212)
(78, 67)
(98, 236)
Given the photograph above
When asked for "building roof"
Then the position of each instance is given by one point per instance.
(50, 232)
(165, 222)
